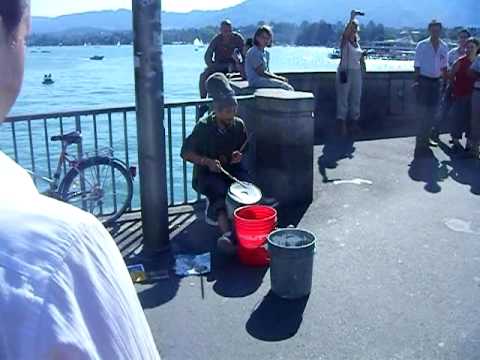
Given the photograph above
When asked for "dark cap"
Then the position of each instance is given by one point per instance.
(220, 90)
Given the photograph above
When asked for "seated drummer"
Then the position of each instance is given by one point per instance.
(216, 142)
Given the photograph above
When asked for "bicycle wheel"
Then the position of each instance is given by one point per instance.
(100, 185)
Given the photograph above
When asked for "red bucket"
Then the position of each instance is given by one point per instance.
(253, 224)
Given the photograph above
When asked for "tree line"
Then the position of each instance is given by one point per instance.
(305, 34)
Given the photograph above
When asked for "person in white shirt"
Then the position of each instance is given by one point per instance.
(431, 62)
(460, 50)
(475, 116)
(349, 76)
(65, 292)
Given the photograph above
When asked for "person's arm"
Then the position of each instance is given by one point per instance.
(474, 71)
(196, 159)
(243, 143)
(261, 70)
(190, 151)
(273, 76)
(444, 64)
(451, 59)
(241, 46)
(417, 64)
(210, 52)
(363, 63)
(454, 70)
(445, 73)
(353, 15)
(257, 62)
(348, 28)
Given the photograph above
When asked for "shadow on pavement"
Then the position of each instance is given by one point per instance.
(426, 168)
(188, 235)
(276, 319)
(335, 149)
(291, 215)
(465, 170)
(162, 291)
(234, 280)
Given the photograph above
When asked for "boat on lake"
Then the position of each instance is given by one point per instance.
(47, 80)
(335, 54)
(97, 57)
(198, 43)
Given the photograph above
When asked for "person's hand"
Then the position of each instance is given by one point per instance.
(237, 157)
(213, 165)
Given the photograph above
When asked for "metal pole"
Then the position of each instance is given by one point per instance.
(148, 40)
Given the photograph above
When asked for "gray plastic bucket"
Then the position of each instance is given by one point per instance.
(291, 262)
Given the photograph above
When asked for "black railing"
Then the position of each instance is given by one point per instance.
(26, 138)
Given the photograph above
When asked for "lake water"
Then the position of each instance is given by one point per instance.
(82, 84)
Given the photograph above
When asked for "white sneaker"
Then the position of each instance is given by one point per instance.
(208, 219)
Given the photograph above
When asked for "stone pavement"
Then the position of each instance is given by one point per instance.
(396, 275)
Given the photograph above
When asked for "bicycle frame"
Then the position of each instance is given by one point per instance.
(54, 182)
(86, 193)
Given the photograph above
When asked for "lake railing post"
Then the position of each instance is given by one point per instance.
(150, 124)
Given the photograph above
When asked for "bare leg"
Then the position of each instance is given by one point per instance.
(223, 222)
(202, 86)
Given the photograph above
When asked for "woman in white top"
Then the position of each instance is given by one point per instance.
(257, 63)
(349, 75)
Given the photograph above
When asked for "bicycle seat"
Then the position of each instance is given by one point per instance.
(74, 137)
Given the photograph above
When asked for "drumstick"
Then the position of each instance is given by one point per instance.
(233, 178)
(245, 143)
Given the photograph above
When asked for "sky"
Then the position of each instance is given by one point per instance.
(63, 7)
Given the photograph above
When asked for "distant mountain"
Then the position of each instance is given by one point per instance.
(396, 13)
(107, 20)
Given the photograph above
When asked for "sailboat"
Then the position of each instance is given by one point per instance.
(198, 43)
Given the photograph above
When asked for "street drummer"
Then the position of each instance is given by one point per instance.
(218, 141)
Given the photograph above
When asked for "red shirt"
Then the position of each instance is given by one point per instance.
(463, 83)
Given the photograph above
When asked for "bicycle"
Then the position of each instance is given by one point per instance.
(85, 184)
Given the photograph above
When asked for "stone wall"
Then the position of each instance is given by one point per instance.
(388, 103)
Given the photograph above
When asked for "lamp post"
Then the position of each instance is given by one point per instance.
(147, 28)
